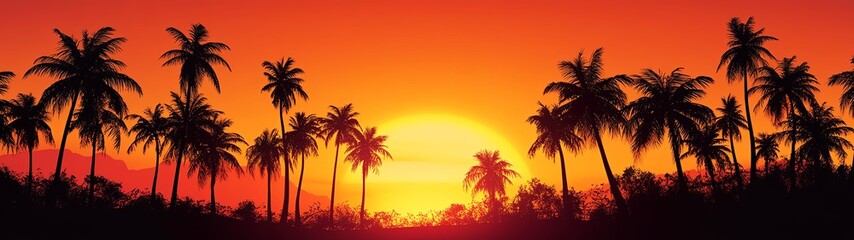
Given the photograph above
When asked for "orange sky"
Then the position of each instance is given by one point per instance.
(486, 62)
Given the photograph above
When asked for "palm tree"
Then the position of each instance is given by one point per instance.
(188, 122)
(196, 56)
(667, 104)
(846, 79)
(342, 125)
(265, 155)
(554, 133)
(213, 157)
(821, 134)
(94, 123)
(150, 129)
(81, 66)
(367, 150)
(5, 77)
(595, 104)
(284, 86)
(744, 56)
(301, 143)
(766, 148)
(730, 123)
(28, 121)
(784, 90)
(709, 149)
(490, 176)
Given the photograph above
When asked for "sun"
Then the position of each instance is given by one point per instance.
(432, 153)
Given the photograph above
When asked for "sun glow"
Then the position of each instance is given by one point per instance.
(432, 153)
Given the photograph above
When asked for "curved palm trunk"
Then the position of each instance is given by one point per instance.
(738, 180)
(565, 214)
(675, 145)
(793, 178)
(297, 218)
(57, 174)
(362, 212)
(622, 208)
(213, 194)
(269, 199)
(750, 131)
(157, 151)
(92, 177)
(332, 196)
(286, 203)
(173, 200)
(30, 173)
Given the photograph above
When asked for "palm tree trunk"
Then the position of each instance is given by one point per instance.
(332, 196)
(793, 178)
(65, 132)
(675, 141)
(286, 203)
(156, 168)
(750, 131)
(173, 200)
(710, 168)
(362, 212)
(622, 208)
(92, 177)
(30, 173)
(297, 218)
(213, 194)
(565, 191)
(269, 199)
(738, 180)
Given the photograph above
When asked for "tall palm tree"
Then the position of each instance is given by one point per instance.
(28, 122)
(730, 122)
(709, 149)
(595, 104)
(339, 124)
(5, 77)
(784, 90)
(301, 143)
(94, 123)
(846, 79)
(367, 151)
(767, 148)
(265, 155)
(490, 176)
(554, 133)
(150, 129)
(284, 86)
(821, 134)
(196, 57)
(188, 122)
(80, 66)
(213, 157)
(744, 56)
(667, 104)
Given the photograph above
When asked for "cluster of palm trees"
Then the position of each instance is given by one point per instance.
(187, 129)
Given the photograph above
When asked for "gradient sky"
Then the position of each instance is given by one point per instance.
(482, 64)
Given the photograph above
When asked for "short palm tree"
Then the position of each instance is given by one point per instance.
(783, 91)
(730, 122)
(5, 77)
(94, 123)
(213, 158)
(667, 104)
(553, 134)
(265, 155)
(150, 130)
(821, 134)
(285, 87)
(188, 122)
(743, 58)
(339, 124)
(767, 148)
(366, 153)
(709, 149)
(846, 79)
(302, 143)
(490, 176)
(28, 121)
(595, 104)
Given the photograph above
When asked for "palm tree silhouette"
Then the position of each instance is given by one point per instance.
(553, 133)
(80, 65)
(213, 157)
(709, 149)
(94, 121)
(265, 155)
(846, 79)
(28, 122)
(188, 122)
(301, 143)
(5, 77)
(150, 129)
(784, 90)
(766, 148)
(730, 122)
(821, 134)
(367, 150)
(744, 56)
(284, 87)
(595, 104)
(342, 125)
(667, 104)
(490, 176)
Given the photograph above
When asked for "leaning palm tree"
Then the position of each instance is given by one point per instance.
(80, 65)
(709, 149)
(188, 122)
(595, 104)
(744, 56)
(94, 124)
(302, 142)
(28, 122)
(490, 176)
(265, 155)
(554, 133)
(213, 157)
(846, 79)
(821, 134)
(285, 87)
(5, 77)
(783, 91)
(667, 104)
(730, 122)
(767, 148)
(150, 129)
(367, 152)
(339, 124)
